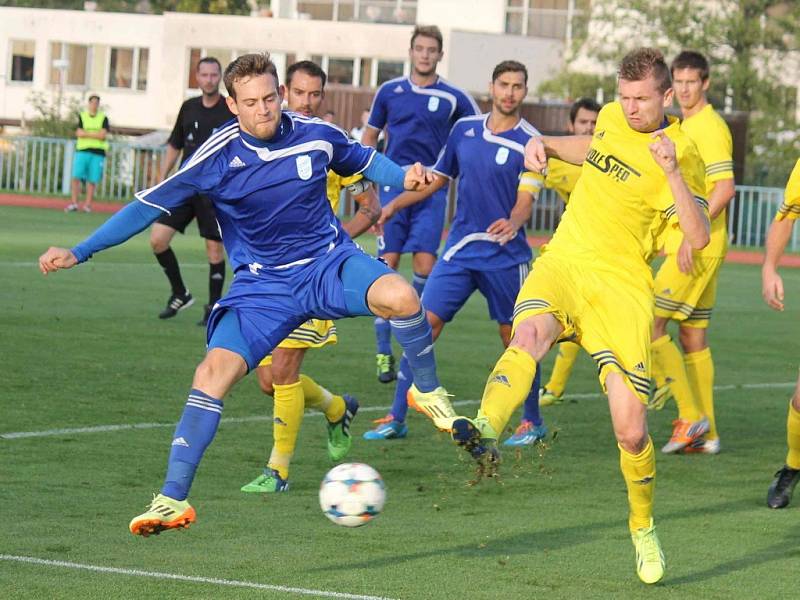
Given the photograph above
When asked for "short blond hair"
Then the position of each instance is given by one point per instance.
(639, 64)
(248, 65)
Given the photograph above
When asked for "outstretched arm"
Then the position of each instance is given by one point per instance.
(369, 209)
(129, 221)
(569, 148)
(407, 199)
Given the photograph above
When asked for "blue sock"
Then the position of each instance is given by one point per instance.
(530, 410)
(404, 380)
(383, 336)
(418, 283)
(193, 434)
(414, 335)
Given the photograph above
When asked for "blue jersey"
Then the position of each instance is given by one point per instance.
(418, 119)
(269, 196)
(489, 168)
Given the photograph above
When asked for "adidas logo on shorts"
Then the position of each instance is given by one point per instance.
(236, 163)
(470, 133)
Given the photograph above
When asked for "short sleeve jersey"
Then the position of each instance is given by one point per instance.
(711, 135)
(418, 119)
(790, 208)
(269, 195)
(562, 177)
(490, 169)
(620, 193)
(196, 123)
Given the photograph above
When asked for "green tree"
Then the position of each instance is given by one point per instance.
(55, 116)
(749, 44)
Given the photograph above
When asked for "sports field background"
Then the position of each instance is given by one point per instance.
(84, 349)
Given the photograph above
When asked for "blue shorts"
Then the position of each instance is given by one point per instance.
(271, 304)
(88, 166)
(417, 228)
(449, 287)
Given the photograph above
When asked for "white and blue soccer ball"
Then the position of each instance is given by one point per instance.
(352, 494)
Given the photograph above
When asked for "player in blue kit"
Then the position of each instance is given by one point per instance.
(486, 248)
(417, 113)
(266, 176)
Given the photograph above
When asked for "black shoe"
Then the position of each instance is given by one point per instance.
(175, 304)
(780, 492)
(206, 312)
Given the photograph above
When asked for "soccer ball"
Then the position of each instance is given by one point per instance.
(352, 494)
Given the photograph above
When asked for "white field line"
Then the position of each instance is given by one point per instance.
(16, 435)
(187, 578)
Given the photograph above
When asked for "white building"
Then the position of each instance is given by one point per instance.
(142, 65)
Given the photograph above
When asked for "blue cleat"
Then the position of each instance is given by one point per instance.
(387, 429)
(527, 434)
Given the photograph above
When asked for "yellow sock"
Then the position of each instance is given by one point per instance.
(700, 369)
(289, 408)
(507, 387)
(318, 398)
(669, 360)
(639, 471)
(562, 368)
(793, 438)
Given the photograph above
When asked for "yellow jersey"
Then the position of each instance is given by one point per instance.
(334, 188)
(790, 208)
(620, 192)
(562, 177)
(711, 135)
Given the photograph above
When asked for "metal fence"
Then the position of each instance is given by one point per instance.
(43, 166)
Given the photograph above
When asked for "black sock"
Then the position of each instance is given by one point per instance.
(169, 263)
(216, 279)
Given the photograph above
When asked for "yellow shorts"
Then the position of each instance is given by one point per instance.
(602, 311)
(314, 333)
(687, 298)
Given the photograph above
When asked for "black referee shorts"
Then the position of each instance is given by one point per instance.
(199, 207)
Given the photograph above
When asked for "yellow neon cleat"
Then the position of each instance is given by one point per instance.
(650, 562)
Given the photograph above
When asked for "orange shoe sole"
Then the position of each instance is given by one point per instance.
(148, 527)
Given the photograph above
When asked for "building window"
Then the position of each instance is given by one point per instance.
(556, 19)
(389, 70)
(341, 70)
(124, 63)
(368, 11)
(22, 53)
(69, 64)
(224, 55)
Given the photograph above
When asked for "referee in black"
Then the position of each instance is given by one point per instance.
(197, 119)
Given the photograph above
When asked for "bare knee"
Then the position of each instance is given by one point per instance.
(659, 327)
(632, 438)
(535, 336)
(391, 296)
(160, 237)
(264, 375)
(218, 371)
(693, 339)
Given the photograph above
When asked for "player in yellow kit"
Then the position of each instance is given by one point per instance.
(279, 374)
(592, 283)
(561, 176)
(686, 283)
(787, 477)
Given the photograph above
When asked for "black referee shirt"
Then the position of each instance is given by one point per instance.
(196, 123)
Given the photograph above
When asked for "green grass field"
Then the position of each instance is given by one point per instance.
(85, 349)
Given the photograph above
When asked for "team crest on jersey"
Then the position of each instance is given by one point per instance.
(502, 155)
(433, 104)
(304, 169)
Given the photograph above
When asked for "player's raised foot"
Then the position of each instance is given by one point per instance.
(386, 428)
(163, 513)
(413, 403)
(269, 482)
(527, 434)
(175, 304)
(649, 556)
(477, 437)
(436, 406)
(548, 398)
(339, 438)
(206, 313)
(386, 368)
(703, 446)
(659, 396)
(72, 207)
(780, 491)
(684, 433)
